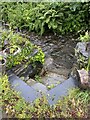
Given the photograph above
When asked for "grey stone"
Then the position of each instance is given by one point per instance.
(81, 47)
(48, 63)
(52, 79)
(84, 78)
(40, 87)
(61, 90)
(31, 82)
(27, 92)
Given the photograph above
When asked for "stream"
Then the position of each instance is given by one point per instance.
(59, 48)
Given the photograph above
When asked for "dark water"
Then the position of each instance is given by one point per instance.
(60, 48)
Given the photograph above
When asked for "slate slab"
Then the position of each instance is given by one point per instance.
(31, 82)
(27, 92)
(61, 90)
(52, 79)
(40, 87)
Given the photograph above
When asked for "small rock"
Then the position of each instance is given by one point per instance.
(30, 82)
(81, 48)
(84, 78)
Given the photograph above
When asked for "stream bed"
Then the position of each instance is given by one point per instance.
(59, 48)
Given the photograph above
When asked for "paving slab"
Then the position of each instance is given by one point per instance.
(61, 90)
(31, 82)
(52, 79)
(27, 92)
(40, 87)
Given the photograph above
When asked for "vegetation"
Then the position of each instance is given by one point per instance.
(73, 106)
(14, 40)
(58, 17)
(85, 38)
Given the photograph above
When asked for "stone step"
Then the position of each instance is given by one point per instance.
(27, 92)
(30, 93)
(52, 79)
(61, 90)
(31, 82)
(40, 88)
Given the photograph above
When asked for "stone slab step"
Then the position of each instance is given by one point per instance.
(40, 87)
(52, 79)
(27, 92)
(31, 82)
(30, 93)
(61, 90)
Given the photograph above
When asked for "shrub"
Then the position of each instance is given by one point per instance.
(39, 17)
(29, 52)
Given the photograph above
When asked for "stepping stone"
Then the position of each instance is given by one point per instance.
(31, 82)
(27, 92)
(52, 79)
(61, 90)
(40, 87)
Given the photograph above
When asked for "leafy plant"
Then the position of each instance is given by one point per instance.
(14, 40)
(39, 17)
(85, 38)
(38, 78)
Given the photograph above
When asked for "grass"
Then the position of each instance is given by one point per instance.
(75, 105)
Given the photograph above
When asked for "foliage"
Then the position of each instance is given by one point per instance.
(27, 49)
(85, 38)
(58, 16)
(73, 106)
(51, 86)
(37, 78)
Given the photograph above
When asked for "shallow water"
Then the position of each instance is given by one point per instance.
(60, 48)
